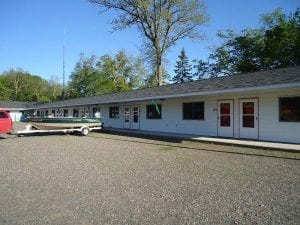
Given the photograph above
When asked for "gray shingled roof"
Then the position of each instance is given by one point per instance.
(246, 80)
(17, 105)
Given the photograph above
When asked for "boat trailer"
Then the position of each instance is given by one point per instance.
(84, 130)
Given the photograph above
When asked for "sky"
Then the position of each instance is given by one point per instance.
(33, 32)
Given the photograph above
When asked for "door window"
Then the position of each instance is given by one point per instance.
(225, 115)
(135, 114)
(127, 114)
(248, 114)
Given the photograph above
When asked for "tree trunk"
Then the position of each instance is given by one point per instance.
(160, 75)
(159, 69)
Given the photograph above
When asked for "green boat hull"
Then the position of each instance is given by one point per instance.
(65, 120)
(57, 123)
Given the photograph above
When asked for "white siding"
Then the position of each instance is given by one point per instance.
(172, 119)
(112, 122)
(15, 115)
(269, 127)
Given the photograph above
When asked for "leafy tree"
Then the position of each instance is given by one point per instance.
(182, 69)
(110, 73)
(282, 39)
(274, 45)
(18, 85)
(82, 78)
(161, 23)
(55, 90)
(4, 90)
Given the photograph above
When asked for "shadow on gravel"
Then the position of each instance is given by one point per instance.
(178, 143)
(41, 134)
(145, 136)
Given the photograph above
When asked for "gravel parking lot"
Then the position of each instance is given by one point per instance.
(112, 179)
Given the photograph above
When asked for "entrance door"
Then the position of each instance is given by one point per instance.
(127, 117)
(135, 118)
(225, 118)
(131, 117)
(249, 118)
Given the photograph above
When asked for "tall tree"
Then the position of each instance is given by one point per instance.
(109, 73)
(182, 69)
(282, 39)
(82, 78)
(274, 45)
(202, 69)
(161, 22)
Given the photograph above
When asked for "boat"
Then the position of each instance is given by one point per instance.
(57, 123)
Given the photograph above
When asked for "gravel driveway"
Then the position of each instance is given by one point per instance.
(113, 179)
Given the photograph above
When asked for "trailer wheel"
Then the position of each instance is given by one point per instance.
(85, 131)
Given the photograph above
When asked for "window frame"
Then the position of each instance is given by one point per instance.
(114, 112)
(155, 111)
(193, 113)
(280, 109)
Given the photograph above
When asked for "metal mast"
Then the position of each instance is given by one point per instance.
(64, 43)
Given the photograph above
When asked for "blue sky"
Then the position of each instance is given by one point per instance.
(32, 32)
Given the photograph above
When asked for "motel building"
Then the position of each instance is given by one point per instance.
(262, 106)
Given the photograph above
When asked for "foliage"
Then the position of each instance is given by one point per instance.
(161, 23)
(182, 69)
(274, 45)
(202, 69)
(18, 85)
(107, 74)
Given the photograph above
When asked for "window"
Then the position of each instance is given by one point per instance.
(66, 112)
(154, 111)
(3, 115)
(225, 114)
(114, 112)
(193, 111)
(96, 112)
(135, 114)
(289, 109)
(75, 113)
(248, 114)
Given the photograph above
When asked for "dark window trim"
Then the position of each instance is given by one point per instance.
(279, 110)
(203, 118)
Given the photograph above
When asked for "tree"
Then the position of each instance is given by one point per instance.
(18, 85)
(82, 78)
(202, 69)
(274, 45)
(161, 22)
(109, 73)
(182, 69)
(4, 90)
(282, 39)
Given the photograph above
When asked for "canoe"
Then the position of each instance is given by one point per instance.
(57, 123)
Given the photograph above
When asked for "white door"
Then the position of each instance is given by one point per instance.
(127, 117)
(249, 118)
(135, 120)
(225, 118)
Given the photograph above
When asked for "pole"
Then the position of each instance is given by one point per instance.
(64, 43)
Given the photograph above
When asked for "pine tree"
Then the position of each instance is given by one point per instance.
(182, 69)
